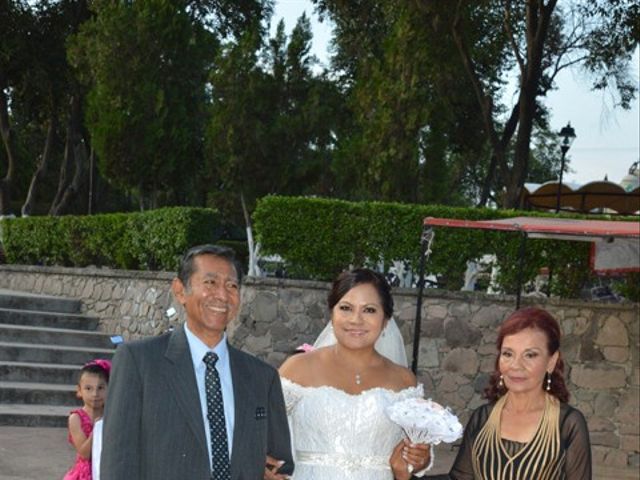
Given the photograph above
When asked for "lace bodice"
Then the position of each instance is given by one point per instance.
(337, 435)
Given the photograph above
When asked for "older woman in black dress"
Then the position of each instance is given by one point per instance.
(527, 430)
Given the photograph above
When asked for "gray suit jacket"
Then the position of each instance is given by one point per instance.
(153, 426)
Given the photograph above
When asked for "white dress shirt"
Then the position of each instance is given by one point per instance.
(96, 450)
(198, 350)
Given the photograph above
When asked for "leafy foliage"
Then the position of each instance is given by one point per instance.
(319, 238)
(270, 119)
(426, 80)
(190, 102)
(36, 90)
(147, 62)
(140, 241)
(613, 39)
(629, 287)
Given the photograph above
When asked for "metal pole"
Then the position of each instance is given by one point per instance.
(425, 241)
(559, 192)
(523, 244)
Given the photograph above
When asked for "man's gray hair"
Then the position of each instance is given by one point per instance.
(186, 267)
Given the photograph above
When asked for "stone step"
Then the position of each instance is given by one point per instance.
(47, 353)
(16, 300)
(35, 415)
(39, 318)
(27, 393)
(54, 336)
(39, 372)
(44, 341)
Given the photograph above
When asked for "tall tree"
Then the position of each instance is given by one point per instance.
(56, 22)
(16, 20)
(541, 44)
(413, 121)
(148, 64)
(271, 119)
(39, 86)
(467, 52)
(390, 110)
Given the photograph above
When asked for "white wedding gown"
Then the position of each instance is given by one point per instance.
(337, 435)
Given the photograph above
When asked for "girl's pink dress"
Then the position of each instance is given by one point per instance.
(81, 470)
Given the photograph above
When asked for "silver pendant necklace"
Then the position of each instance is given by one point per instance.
(357, 376)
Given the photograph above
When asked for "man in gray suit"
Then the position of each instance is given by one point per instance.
(158, 423)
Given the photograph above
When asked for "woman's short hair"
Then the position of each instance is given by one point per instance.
(537, 319)
(359, 276)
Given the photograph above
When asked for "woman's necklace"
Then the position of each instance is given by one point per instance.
(357, 376)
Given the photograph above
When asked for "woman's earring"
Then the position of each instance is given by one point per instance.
(548, 387)
(501, 382)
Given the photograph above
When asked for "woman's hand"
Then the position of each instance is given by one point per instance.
(271, 469)
(408, 458)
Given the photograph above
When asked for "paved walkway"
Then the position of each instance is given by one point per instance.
(31, 453)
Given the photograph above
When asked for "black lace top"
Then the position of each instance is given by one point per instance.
(559, 450)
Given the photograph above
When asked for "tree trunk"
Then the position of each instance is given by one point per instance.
(518, 174)
(6, 183)
(64, 168)
(75, 154)
(538, 19)
(523, 113)
(39, 175)
(72, 190)
(485, 102)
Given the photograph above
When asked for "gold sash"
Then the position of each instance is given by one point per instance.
(538, 459)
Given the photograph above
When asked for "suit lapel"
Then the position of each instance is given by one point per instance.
(182, 381)
(241, 392)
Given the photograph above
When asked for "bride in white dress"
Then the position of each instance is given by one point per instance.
(336, 395)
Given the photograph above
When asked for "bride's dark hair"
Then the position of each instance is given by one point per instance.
(358, 276)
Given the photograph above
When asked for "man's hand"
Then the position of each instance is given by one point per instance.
(271, 469)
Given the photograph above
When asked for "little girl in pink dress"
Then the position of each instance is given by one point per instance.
(92, 390)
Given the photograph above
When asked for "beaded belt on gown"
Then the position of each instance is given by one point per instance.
(344, 461)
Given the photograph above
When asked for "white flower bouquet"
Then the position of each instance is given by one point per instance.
(425, 421)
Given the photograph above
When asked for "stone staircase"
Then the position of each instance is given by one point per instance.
(43, 343)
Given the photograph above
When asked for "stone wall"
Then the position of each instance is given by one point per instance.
(131, 303)
(457, 344)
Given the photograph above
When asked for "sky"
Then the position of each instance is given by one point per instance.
(607, 139)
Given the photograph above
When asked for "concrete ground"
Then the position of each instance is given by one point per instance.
(32, 453)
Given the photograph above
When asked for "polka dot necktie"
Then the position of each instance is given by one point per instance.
(220, 469)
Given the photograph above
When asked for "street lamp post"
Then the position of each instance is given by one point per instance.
(568, 135)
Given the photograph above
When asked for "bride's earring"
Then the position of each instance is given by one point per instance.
(501, 382)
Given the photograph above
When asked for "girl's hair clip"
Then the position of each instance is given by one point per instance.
(102, 363)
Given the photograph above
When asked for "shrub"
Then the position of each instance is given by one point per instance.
(152, 240)
(319, 237)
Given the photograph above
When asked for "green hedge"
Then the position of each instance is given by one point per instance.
(152, 240)
(320, 237)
